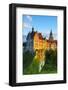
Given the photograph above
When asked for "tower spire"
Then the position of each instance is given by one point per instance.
(32, 29)
(51, 35)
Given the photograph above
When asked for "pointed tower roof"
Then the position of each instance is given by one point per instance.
(51, 35)
(32, 29)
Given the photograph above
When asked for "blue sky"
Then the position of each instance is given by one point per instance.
(42, 24)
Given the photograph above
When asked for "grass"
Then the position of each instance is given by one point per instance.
(49, 69)
(31, 65)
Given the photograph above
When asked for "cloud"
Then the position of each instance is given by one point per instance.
(27, 25)
(29, 18)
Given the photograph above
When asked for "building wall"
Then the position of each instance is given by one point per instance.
(29, 46)
(38, 43)
(48, 45)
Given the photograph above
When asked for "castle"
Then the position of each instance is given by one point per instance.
(36, 43)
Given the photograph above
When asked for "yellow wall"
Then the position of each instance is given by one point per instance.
(38, 44)
(36, 41)
(42, 44)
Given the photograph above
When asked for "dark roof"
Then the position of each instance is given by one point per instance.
(51, 35)
(31, 35)
(52, 41)
(40, 36)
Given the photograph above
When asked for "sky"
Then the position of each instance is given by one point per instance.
(41, 24)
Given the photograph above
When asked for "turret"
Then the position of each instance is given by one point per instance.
(51, 36)
(32, 29)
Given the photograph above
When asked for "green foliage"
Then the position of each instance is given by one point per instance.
(51, 57)
(51, 61)
(32, 68)
(31, 64)
(27, 59)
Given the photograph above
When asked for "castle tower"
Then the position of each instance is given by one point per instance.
(32, 29)
(51, 36)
